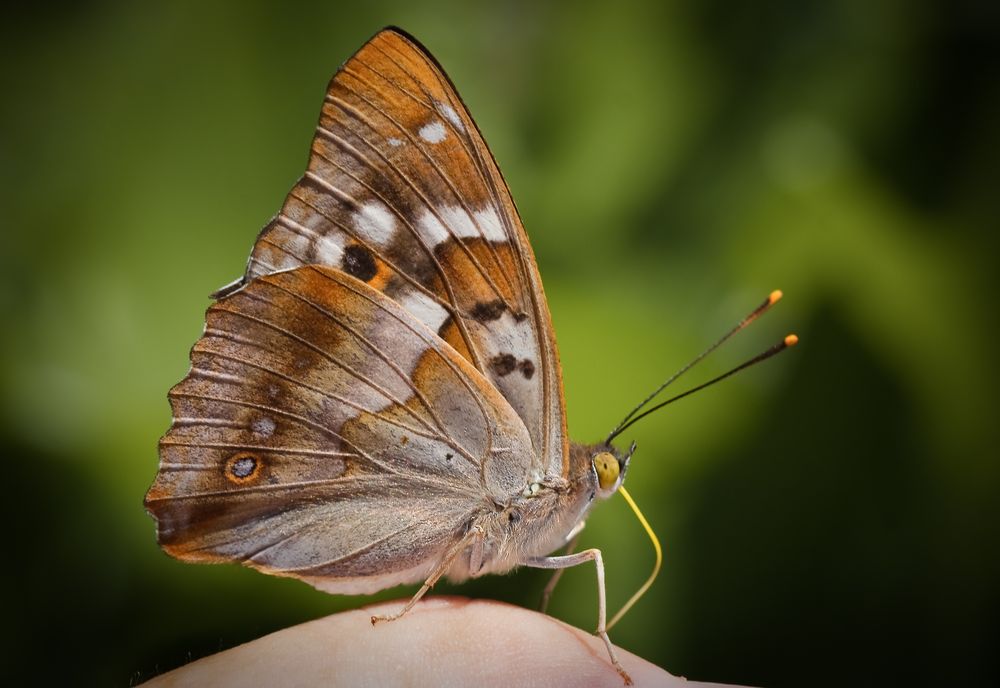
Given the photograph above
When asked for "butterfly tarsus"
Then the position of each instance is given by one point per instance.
(569, 560)
(446, 561)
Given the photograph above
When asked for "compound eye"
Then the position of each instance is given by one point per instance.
(607, 469)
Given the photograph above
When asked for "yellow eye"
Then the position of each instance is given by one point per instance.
(606, 466)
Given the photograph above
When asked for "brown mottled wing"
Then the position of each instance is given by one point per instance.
(402, 193)
(325, 433)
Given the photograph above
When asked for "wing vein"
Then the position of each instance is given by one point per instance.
(375, 349)
(463, 139)
(450, 307)
(426, 336)
(286, 414)
(330, 395)
(347, 109)
(442, 273)
(310, 345)
(236, 446)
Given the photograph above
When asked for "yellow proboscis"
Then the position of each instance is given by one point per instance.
(656, 567)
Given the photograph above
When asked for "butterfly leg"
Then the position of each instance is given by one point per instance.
(571, 540)
(568, 560)
(439, 570)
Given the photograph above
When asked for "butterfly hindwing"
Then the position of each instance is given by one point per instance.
(402, 193)
(321, 428)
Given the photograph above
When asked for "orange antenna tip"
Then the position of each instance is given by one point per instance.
(637, 413)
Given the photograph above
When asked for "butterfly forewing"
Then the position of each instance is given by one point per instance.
(402, 194)
(324, 432)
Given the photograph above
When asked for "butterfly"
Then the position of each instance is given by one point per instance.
(378, 400)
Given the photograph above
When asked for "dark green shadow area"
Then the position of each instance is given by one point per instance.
(820, 550)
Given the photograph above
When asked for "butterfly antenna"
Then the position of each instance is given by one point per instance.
(789, 341)
(772, 299)
(656, 567)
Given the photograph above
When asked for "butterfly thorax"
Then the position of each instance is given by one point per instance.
(540, 519)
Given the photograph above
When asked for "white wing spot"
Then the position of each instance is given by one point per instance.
(395, 143)
(455, 221)
(433, 132)
(424, 308)
(431, 229)
(490, 223)
(329, 249)
(375, 223)
(263, 426)
(459, 222)
(449, 114)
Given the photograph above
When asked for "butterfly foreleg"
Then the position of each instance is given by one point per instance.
(571, 540)
(475, 533)
(568, 560)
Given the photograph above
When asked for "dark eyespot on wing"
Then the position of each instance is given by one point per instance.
(359, 262)
(485, 311)
(243, 468)
(503, 364)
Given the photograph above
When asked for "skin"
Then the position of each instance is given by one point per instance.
(442, 641)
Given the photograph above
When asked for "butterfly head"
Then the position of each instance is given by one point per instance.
(610, 466)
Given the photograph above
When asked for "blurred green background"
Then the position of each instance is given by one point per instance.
(829, 518)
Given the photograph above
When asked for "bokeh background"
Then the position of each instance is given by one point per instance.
(830, 517)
